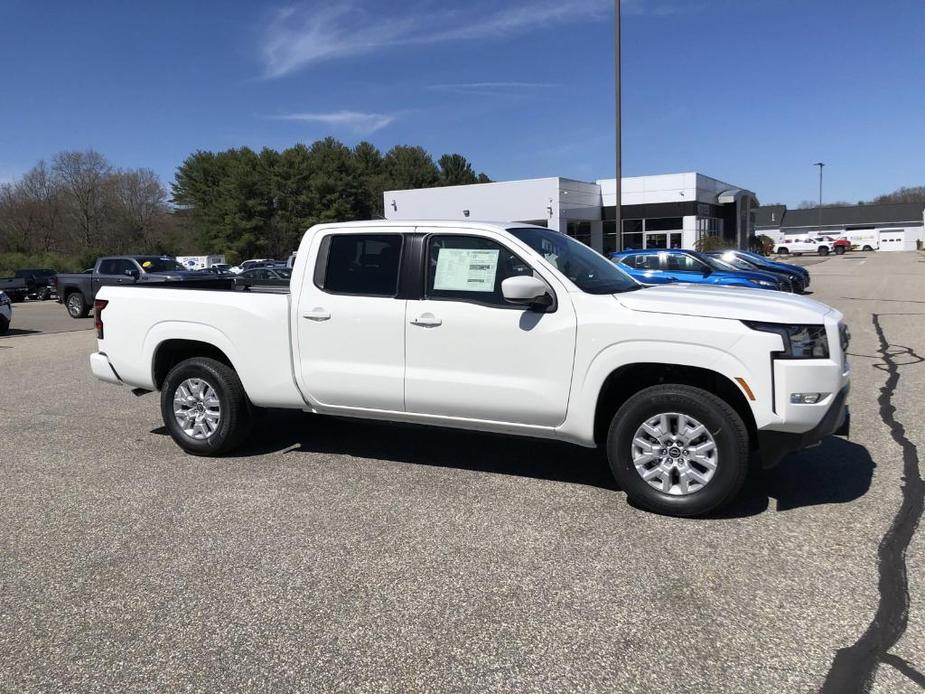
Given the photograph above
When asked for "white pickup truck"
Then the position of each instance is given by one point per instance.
(505, 328)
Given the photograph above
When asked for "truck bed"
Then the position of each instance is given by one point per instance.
(226, 284)
(249, 323)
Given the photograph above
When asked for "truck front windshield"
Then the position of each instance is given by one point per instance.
(588, 270)
(160, 265)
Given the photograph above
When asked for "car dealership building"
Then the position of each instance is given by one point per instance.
(665, 211)
(892, 226)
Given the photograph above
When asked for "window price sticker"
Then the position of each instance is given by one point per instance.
(466, 270)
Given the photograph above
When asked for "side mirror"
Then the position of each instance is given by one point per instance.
(525, 290)
(134, 274)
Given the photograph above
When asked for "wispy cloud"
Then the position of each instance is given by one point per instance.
(353, 121)
(486, 87)
(298, 37)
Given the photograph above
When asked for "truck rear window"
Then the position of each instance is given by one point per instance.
(365, 264)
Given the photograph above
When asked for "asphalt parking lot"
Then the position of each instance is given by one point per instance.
(334, 555)
(44, 317)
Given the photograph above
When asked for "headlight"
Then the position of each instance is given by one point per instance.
(800, 341)
(765, 283)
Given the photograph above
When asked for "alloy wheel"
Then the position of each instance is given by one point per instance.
(674, 453)
(197, 408)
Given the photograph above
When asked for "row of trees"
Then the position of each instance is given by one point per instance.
(239, 202)
(246, 203)
(78, 204)
(900, 195)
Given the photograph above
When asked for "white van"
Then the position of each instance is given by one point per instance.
(804, 243)
(863, 239)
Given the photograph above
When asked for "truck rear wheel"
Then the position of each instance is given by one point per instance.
(823, 250)
(839, 250)
(678, 450)
(204, 407)
(76, 306)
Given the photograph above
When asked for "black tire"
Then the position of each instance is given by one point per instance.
(783, 250)
(236, 416)
(76, 305)
(839, 250)
(823, 250)
(720, 419)
(867, 248)
(4, 326)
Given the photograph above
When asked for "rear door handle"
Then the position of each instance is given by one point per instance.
(317, 314)
(428, 320)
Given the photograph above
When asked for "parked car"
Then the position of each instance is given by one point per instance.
(77, 291)
(753, 262)
(804, 243)
(221, 270)
(15, 287)
(513, 329)
(661, 266)
(267, 273)
(37, 282)
(6, 313)
(248, 264)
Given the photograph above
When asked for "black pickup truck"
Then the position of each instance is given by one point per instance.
(78, 290)
(15, 288)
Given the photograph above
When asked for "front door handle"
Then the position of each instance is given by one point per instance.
(428, 320)
(317, 314)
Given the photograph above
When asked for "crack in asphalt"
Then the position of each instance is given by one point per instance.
(854, 667)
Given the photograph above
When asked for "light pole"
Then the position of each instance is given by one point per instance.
(618, 202)
(820, 165)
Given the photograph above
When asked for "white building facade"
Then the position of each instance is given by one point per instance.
(664, 211)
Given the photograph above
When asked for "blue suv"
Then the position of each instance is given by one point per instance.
(661, 266)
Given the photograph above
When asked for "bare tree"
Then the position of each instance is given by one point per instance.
(140, 203)
(83, 177)
(16, 224)
(39, 190)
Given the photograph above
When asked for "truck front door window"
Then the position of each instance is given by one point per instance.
(470, 268)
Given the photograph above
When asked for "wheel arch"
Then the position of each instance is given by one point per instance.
(171, 352)
(627, 380)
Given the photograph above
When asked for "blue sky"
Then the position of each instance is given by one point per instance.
(749, 91)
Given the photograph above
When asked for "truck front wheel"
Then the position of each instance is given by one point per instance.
(76, 306)
(204, 407)
(678, 450)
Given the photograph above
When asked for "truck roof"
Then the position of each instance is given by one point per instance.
(451, 223)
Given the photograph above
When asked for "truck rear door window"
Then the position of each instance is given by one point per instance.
(365, 264)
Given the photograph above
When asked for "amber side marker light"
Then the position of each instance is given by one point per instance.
(748, 391)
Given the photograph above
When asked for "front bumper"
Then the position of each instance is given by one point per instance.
(774, 445)
(102, 369)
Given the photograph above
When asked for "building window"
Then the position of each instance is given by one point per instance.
(632, 241)
(632, 226)
(665, 224)
(610, 238)
(580, 231)
(709, 226)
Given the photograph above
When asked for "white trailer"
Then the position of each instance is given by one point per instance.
(200, 262)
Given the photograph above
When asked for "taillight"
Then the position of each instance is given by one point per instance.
(98, 307)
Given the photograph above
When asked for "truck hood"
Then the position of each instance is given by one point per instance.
(736, 303)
